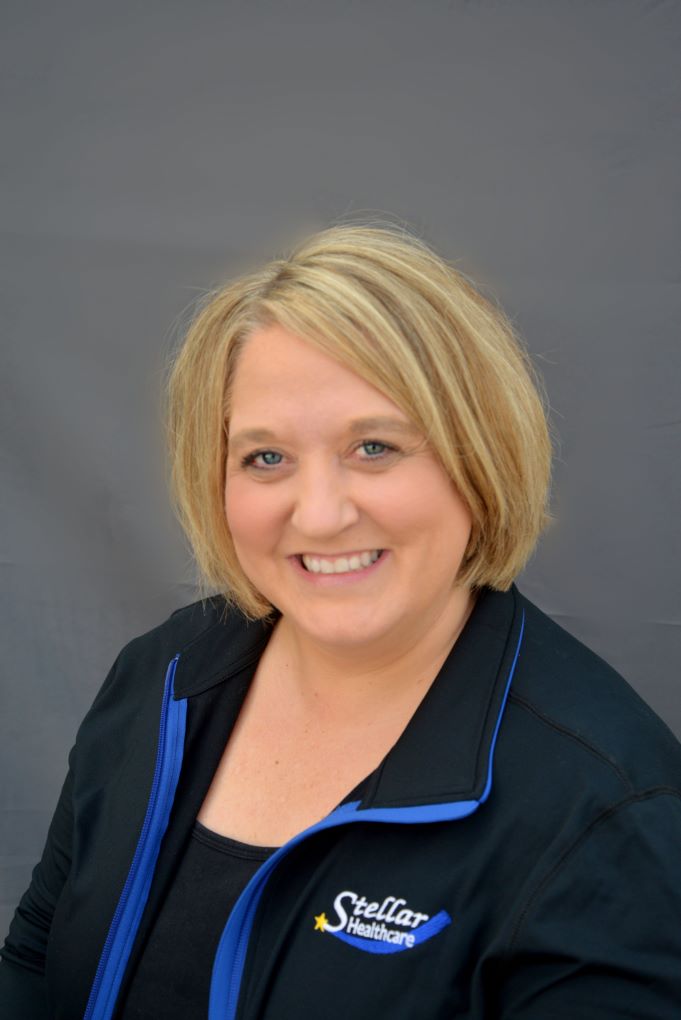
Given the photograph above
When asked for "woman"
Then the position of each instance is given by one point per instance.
(370, 779)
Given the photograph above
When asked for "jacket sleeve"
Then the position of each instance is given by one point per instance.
(22, 985)
(600, 936)
(23, 993)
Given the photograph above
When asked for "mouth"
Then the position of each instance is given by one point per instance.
(348, 563)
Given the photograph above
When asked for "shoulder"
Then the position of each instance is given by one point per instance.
(568, 698)
(134, 685)
(588, 808)
(184, 626)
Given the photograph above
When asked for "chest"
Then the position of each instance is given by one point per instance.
(293, 754)
(281, 773)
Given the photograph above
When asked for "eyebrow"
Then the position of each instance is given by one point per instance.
(358, 426)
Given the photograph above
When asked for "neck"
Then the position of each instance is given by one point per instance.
(346, 681)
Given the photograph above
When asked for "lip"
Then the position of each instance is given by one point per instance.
(337, 580)
(337, 555)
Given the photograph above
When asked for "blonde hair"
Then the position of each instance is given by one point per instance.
(380, 301)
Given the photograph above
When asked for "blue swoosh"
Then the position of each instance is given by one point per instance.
(421, 934)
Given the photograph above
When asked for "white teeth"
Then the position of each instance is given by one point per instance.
(341, 565)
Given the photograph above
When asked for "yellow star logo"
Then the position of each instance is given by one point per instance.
(320, 922)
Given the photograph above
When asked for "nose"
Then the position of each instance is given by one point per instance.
(323, 503)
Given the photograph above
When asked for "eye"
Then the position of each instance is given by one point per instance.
(268, 459)
(376, 450)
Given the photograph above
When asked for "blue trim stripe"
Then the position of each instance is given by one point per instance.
(230, 958)
(421, 813)
(486, 792)
(421, 934)
(126, 919)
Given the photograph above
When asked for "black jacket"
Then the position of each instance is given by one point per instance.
(516, 855)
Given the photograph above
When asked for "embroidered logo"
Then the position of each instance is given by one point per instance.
(390, 926)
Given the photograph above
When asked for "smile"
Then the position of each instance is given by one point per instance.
(340, 564)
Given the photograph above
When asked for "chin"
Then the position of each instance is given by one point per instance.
(343, 628)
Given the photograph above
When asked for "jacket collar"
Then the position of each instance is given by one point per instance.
(445, 753)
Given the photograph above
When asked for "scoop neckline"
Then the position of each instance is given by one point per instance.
(229, 845)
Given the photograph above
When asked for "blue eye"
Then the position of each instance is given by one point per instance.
(268, 459)
(375, 449)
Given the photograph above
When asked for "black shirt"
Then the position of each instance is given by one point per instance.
(172, 979)
(173, 976)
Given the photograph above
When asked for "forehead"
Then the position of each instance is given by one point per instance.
(281, 375)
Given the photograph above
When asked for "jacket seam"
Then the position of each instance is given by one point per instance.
(213, 679)
(198, 637)
(605, 815)
(575, 737)
(197, 602)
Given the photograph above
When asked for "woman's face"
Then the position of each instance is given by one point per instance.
(324, 472)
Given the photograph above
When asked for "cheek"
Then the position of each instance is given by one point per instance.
(455, 521)
(456, 513)
(428, 503)
(246, 510)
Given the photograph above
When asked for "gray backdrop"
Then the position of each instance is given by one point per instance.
(151, 149)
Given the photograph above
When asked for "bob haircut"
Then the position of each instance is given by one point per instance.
(381, 302)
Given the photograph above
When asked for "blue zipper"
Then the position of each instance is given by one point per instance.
(230, 958)
(125, 922)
